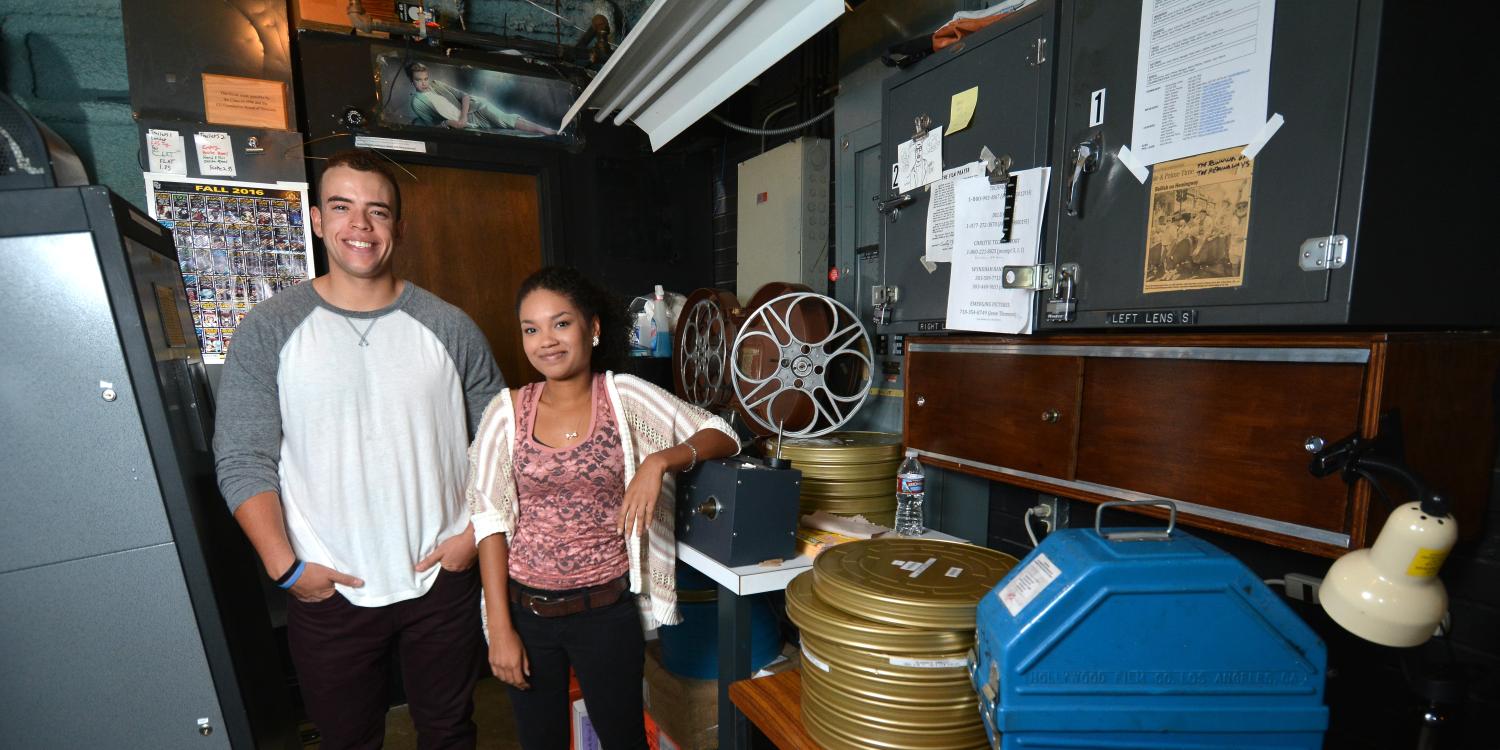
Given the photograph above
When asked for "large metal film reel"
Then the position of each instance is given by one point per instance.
(803, 364)
(707, 327)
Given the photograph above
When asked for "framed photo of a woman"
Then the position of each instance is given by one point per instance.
(429, 92)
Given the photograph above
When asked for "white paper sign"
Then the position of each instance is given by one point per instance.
(166, 152)
(1032, 580)
(918, 162)
(215, 154)
(390, 144)
(940, 221)
(1202, 76)
(939, 234)
(977, 299)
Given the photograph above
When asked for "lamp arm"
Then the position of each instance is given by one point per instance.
(1431, 502)
(1355, 457)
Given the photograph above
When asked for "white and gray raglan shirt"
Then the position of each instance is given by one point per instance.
(361, 421)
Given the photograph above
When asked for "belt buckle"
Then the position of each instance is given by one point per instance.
(531, 602)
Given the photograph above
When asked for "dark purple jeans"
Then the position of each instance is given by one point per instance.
(342, 654)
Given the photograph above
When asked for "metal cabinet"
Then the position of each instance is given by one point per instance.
(1341, 181)
(138, 612)
(1308, 183)
(1011, 62)
(1340, 223)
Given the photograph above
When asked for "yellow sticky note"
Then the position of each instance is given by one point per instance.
(961, 110)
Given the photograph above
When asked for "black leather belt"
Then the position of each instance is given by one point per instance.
(559, 604)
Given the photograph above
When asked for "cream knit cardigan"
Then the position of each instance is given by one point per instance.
(655, 421)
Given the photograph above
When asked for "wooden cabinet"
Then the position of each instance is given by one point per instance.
(1218, 424)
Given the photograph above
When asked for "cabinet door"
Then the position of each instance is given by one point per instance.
(1006, 411)
(1011, 117)
(1295, 184)
(1222, 435)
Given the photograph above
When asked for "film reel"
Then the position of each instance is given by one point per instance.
(802, 363)
(700, 354)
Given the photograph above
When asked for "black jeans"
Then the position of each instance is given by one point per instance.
(607, 650)
(342, 655)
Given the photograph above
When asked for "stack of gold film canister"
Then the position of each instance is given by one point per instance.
(886, 626)
(846, 473)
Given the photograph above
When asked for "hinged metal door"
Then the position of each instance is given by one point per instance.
(1295, 182)
(1011, 63)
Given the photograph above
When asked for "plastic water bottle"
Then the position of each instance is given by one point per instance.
(910, 492)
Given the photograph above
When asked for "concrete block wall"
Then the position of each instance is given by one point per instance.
(65, 63)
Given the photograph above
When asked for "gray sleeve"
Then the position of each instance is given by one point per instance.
(467, 346)
(247, 425)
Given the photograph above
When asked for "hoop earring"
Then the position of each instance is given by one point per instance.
(596, 341)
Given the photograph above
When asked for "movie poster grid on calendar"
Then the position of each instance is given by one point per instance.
(236, 246)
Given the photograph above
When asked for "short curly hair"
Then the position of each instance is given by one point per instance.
(362, 160)
(592, 301)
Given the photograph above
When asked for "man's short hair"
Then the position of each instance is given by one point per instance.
(413, 69)
(363, 160)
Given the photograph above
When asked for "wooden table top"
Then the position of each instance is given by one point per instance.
(774, 705)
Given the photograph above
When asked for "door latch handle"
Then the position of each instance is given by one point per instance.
(892, 207)
(1085, 160)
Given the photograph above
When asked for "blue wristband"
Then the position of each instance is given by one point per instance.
(292, 579)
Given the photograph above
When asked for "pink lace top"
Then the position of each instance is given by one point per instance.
(569, 501)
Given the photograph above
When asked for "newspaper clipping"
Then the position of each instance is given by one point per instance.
(1200, 216)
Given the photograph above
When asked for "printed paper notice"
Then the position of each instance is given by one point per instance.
(961, 109)
(918, 161)
(215, 154)
(1199, 221)
(940, 221)
(249, 102)
(993, 231)
(939, 244)
(166, 151)
(1202, 76)
(1027, 584)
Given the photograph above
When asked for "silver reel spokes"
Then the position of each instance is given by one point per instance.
(705, 350)
(804, 361)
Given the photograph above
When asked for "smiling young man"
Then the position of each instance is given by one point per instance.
(344, 420)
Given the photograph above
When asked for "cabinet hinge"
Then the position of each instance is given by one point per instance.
(1323, 253)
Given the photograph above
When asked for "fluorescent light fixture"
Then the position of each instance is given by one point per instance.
(686, 57)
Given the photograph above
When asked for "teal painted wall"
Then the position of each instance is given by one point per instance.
(519, 18)
(65, 63)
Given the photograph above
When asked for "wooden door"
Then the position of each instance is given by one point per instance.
(471, 236)
(1012, 411)
(1225, 435)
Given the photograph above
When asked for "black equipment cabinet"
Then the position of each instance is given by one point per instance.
(1362, 92)
(1011, 62)
(1375, 130)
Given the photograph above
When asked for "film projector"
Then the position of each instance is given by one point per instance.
(793, 366)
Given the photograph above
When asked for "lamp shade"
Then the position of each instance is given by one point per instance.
(1390, 593)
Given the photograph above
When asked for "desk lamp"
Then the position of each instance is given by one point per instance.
(1389, 593)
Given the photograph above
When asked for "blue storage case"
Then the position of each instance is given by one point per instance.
(1130, 639)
